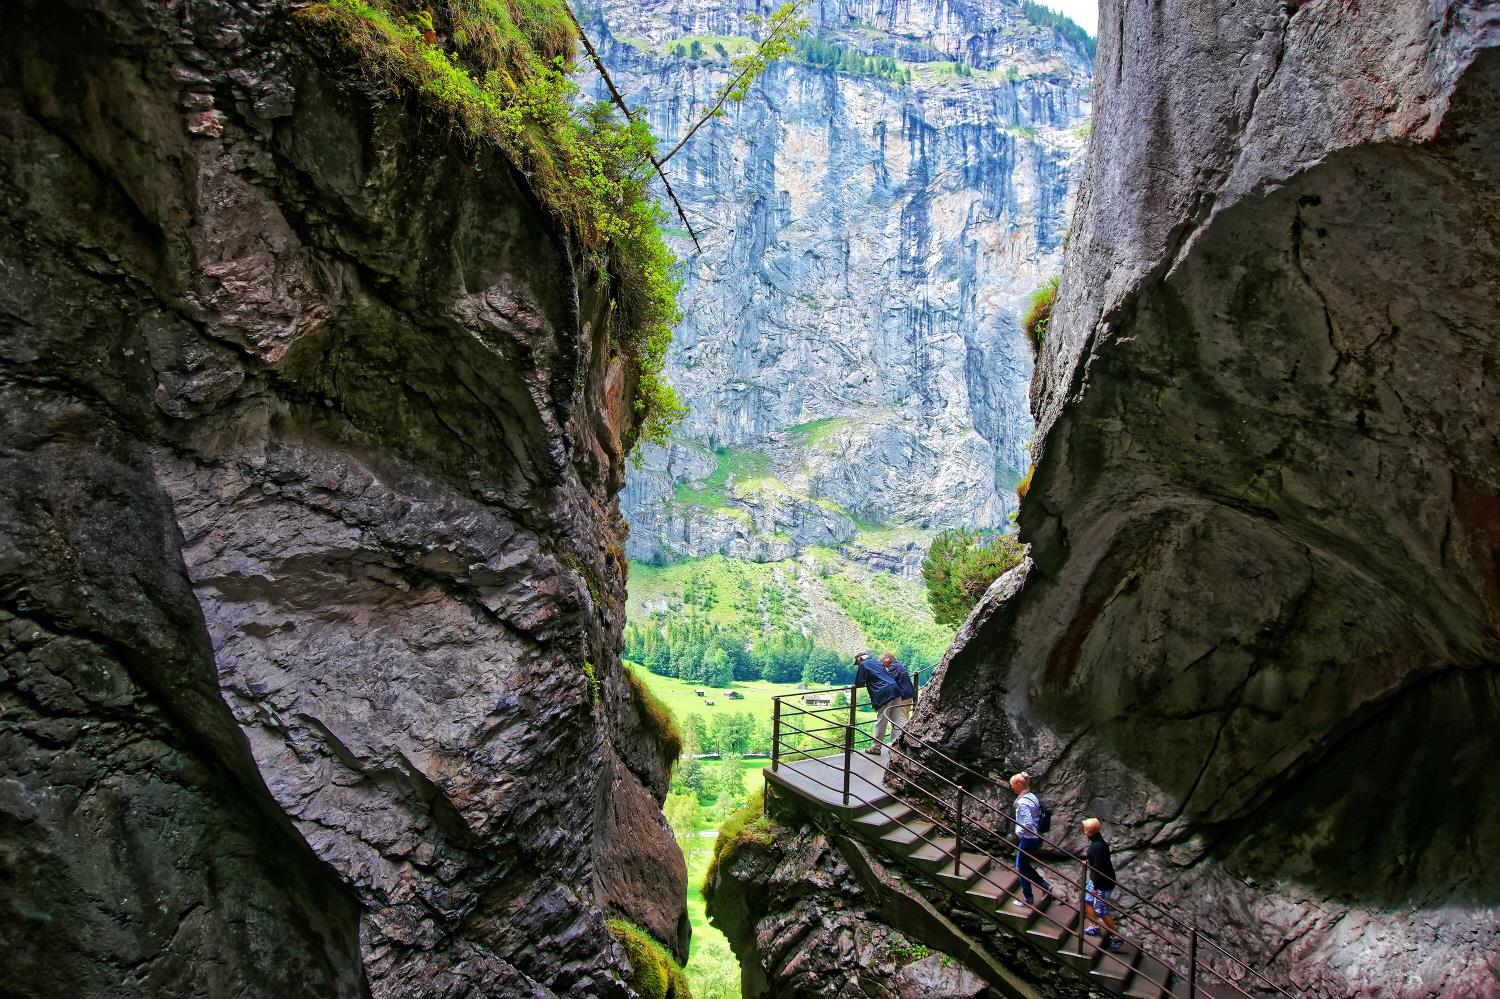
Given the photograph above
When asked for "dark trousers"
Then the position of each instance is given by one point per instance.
(1026, 850)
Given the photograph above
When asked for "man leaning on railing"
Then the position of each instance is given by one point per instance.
(891, 694)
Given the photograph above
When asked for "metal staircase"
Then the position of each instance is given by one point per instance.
(930, 822)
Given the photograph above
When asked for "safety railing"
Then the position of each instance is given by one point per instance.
(1180, 939)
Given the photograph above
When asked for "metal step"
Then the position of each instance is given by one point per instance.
(883, 817)
(1115, 970)
(1052, 922)
(1151, 978)
(998, 886)
(959, 876)
(936, 853)
(908, 836)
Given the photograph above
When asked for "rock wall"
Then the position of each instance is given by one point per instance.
(869, 243)
(311, 579)
(1259, 630)
(1258, 633)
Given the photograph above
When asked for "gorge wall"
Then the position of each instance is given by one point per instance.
(311, 585)
(1259, 628)
(871, 230)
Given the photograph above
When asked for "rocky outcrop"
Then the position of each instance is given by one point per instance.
(1259, 633)
(869, 242)
(311, 574)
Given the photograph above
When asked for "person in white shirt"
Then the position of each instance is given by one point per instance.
(1028, 840)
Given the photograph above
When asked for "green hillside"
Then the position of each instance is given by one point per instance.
(714, 620)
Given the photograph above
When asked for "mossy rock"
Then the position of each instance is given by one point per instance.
(747, 825)
(657, 716)
(656, 974)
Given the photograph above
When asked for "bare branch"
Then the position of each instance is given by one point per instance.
(723, 99)
(620, 103)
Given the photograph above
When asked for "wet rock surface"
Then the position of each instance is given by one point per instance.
(1258, 633)
(312, 441)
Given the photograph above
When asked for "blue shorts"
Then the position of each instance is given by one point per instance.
(1098, 899)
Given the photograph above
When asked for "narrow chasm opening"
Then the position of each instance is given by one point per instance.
(855, 374)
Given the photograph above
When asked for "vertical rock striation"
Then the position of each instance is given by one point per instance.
(1260, 627)
(311, 578)
(870, 233)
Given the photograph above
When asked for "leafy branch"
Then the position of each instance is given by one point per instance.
(781, 29)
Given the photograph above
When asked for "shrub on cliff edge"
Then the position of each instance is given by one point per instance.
(657, 975)
(500, 70)
(748, 825)
(1039, 315)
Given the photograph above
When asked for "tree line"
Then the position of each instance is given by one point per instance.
(700, 651)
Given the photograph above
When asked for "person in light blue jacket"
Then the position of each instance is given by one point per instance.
(1028, 840)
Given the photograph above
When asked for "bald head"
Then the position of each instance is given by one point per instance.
(1091, 828)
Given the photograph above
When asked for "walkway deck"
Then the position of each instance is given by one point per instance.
(821, 778)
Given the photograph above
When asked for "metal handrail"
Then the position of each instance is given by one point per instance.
(1194, 935)
(1195, 938)
(1010, 844)
(956, 852)
(982, 875)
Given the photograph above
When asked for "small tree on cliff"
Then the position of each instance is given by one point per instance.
(777, 33)
(960, 565)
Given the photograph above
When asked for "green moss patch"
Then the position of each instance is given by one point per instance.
(501, 72)
(1039, 315)
(657, 715)
(748, 825)
(656, 974)
(816, 432)
(738, 466)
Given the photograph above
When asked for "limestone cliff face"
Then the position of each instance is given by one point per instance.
(869, 242)
(310, 568)
(1260, 628)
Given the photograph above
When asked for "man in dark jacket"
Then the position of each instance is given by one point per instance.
(1096, 898)
(898, 712)
(883, 690)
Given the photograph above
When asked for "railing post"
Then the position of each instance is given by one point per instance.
(849, 743)
(1083, 902)
(775, 733)
(848, 759)
(958, 837)
(853, 697)
(1193, 962)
